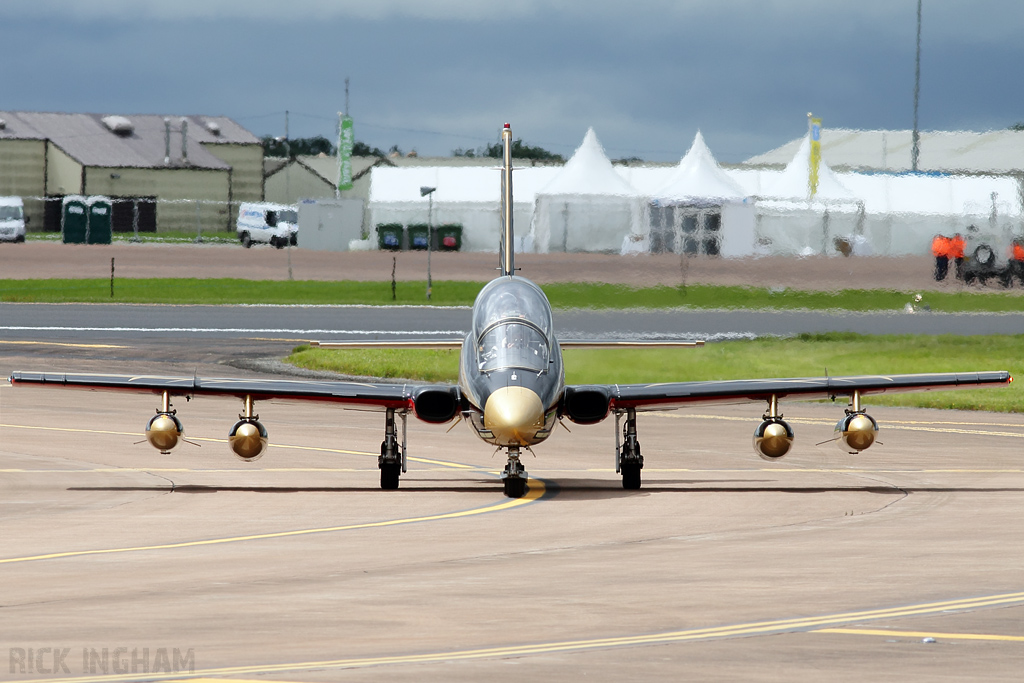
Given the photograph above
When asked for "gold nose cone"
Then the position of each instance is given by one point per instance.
(514, 415)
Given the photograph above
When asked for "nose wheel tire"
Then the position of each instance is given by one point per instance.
(515, 487)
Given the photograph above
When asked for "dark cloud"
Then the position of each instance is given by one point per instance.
(645, 76)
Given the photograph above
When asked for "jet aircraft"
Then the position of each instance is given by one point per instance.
(512, 389)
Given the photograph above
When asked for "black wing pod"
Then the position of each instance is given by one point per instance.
(586, 405)
(437, 404)
(773, 438)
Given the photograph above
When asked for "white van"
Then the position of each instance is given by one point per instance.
(12, 219)
(276, 224)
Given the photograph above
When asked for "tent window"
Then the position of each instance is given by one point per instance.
(698, 232)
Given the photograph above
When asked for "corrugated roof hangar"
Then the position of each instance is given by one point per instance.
(165, 172)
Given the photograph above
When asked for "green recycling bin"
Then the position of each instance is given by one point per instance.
(74, 219)
(389, 236)
(99, 231)
(419, 233)
(448, 237)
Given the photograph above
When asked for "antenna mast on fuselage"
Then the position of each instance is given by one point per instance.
(507, 250)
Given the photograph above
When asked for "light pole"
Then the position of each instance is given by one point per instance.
(915, 145)
(428, 192)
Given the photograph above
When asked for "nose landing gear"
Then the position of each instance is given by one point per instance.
(514, 477)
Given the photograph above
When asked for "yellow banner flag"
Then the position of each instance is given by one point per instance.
(815, 133)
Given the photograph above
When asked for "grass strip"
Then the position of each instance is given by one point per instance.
(458, 293)
(803, 356)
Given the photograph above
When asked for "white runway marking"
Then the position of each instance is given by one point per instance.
(246, 330)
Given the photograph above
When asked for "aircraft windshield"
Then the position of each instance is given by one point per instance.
(511, 299)
(513, 345)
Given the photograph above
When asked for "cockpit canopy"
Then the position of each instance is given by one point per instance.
(512, 326)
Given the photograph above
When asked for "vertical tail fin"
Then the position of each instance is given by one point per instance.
(507, 250)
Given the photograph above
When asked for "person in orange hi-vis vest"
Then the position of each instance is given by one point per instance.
(1016, 264)
(940, 250)
(956, 252)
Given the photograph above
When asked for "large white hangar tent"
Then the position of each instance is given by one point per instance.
(587, 206)
(467, 196)
(700, 209)
(904, 211)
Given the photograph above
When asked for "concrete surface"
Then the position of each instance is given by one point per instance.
(297, 568)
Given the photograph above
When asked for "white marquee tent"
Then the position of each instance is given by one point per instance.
(700, 209)
(588, 206)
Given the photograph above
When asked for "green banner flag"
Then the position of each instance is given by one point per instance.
(345, 140)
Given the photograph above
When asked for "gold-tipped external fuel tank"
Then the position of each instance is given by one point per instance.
(164, 432)
(856, 432)
(248, 437)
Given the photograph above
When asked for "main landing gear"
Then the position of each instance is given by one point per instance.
(628, 460)
(392, 455)
(514, 476)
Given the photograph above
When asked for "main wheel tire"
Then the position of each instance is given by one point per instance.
(630, 476)
(389, 476)
(515, 487)
(246, 240)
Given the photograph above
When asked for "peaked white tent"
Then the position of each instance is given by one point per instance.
(587, 206)
(790, 220)
(699, 179)
(699, 209)
(794, 182)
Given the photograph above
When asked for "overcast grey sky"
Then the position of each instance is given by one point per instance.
(434, 76)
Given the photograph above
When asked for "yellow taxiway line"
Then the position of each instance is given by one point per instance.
(921, 634)
(757, 628)
(535, 491)
(70, 344)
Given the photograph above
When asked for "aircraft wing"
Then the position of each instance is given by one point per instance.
(671, 395)
(353, 394)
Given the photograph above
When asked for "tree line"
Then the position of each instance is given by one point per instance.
(313, 146)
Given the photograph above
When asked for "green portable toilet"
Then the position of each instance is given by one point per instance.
(99, 220)
(419, 233)
(449, 237)
(389, 236)
(74, 219)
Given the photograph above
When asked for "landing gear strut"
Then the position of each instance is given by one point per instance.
(392, 455)
(514, 476)
(628, 460)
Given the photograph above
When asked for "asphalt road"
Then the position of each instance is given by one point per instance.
(68, 322)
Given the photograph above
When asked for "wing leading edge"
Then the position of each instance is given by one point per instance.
(355, 394)
(671, 395)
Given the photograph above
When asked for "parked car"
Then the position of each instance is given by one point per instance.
(275, 224)
(12, 219)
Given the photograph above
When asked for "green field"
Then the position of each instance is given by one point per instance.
(450, 293)
(803, 356)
